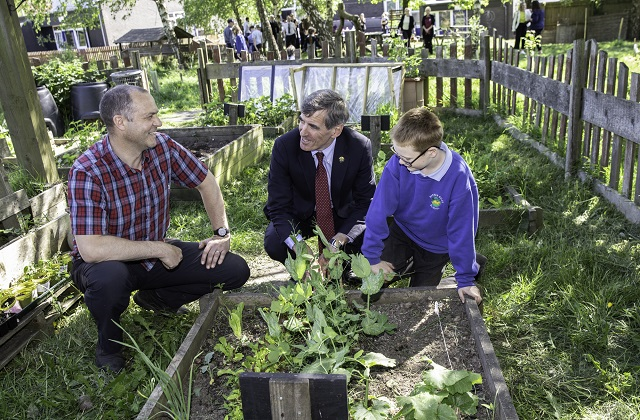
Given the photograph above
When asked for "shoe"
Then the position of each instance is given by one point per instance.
(482, 262)
(149, 300)
(113, 362)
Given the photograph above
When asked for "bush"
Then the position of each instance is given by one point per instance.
(262, 111)
(58, 75)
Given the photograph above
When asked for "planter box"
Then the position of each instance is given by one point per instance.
(41, 242)
(494, 384)
(273, 132)
(231, 149)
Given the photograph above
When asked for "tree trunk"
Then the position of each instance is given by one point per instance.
(267, 33)
(324, 27)
(171, 36)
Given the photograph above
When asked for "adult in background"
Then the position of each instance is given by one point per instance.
(246, 27)
(311, 40)
(384, 22)
(537, 22)
(346, 164)
(406, 25)
(119, 207)
(240, 44)
(363, 22)
(428, 27)
(521, 19)
(228, 34)
(276, 30)
(433, 198)
(256, 39)
(290, 32)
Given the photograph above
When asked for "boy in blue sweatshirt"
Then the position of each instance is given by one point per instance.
(433, 198)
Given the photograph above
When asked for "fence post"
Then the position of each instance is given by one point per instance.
(205, 94)
(578, 81)
(486, 80)
(350, 38)
(5, 189)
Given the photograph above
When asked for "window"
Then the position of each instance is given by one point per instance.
(71, 38)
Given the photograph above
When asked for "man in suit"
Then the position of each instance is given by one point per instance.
(346, 156)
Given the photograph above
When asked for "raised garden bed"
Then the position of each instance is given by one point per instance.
(226, 150)
(462, 343)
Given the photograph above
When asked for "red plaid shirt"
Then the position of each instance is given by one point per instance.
(107, 197)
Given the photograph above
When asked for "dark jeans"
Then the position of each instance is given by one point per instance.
(407, 257)
(107, 286)
(278, 250)
(428, 42)
(407, 35)
(521, 33)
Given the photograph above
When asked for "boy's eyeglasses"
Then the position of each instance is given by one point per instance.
(408, 162)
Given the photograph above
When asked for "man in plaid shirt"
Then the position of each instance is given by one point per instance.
(119, 206)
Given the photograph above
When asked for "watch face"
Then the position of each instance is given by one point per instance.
(222, 231)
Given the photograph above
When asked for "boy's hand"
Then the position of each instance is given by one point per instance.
(471, 291)
(386, 267)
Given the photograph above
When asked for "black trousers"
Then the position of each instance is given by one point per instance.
(408, 258)
(521, 34)
(107, 286)
(407, 35)
(279, 251)
(428, 41)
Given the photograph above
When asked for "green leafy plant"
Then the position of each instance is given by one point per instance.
(269, 114)
(178, 401)
(440, 393)
(58, 75)
(82, 136)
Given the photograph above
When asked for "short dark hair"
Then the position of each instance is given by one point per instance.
(117, 101)
(329, 100)
(535, 5)
(229, 20)
(418, 128)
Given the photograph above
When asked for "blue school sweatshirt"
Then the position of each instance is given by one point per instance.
(439, 212)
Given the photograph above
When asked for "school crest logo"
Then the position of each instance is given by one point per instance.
(436, 201)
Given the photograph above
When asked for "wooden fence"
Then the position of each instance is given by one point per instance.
(87, 54)
(584, 103)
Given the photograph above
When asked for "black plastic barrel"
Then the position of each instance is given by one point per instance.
(85, 100)
(52, 117)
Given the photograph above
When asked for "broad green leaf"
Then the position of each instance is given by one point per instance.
(372, 283)
(377, 359)
(271, 319)
(360, 266)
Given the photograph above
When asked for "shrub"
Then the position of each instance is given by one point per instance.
(58, 75)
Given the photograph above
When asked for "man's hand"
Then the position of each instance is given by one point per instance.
(386, 267)
(172, 256)
(214, 250)
(341, 240)
(471, 291)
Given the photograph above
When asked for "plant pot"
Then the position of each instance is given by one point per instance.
(85, 100)
(52, 117)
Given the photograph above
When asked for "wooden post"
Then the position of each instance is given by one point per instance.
(135, 59)
(11, 222)
(233, 114)
(20, 102)
(375, 124)
(486, 80)
(351, 46)
(205, 92)
(575, 103)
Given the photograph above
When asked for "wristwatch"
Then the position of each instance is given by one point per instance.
(223, 231)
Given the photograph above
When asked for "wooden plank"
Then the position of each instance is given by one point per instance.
(453, 82)
(547, 110)
(563, 118)
(485, 84)
(606, 135)
(541, 72)
(439, 82)
(13, 204)
(49, 204)
(554, 114)
(616, 148)
(592, 71)
(552, 93)
(35, 245)
(290, 398)
(525, 105)
(495, 382)
(468, 51)
(600, 87)
(181, 362)
(5, 189)
(574, 136)
(616, 115)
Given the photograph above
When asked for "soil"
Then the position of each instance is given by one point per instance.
(202, 147)
(421, 334)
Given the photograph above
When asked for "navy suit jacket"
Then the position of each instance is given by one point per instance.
(292, 183)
